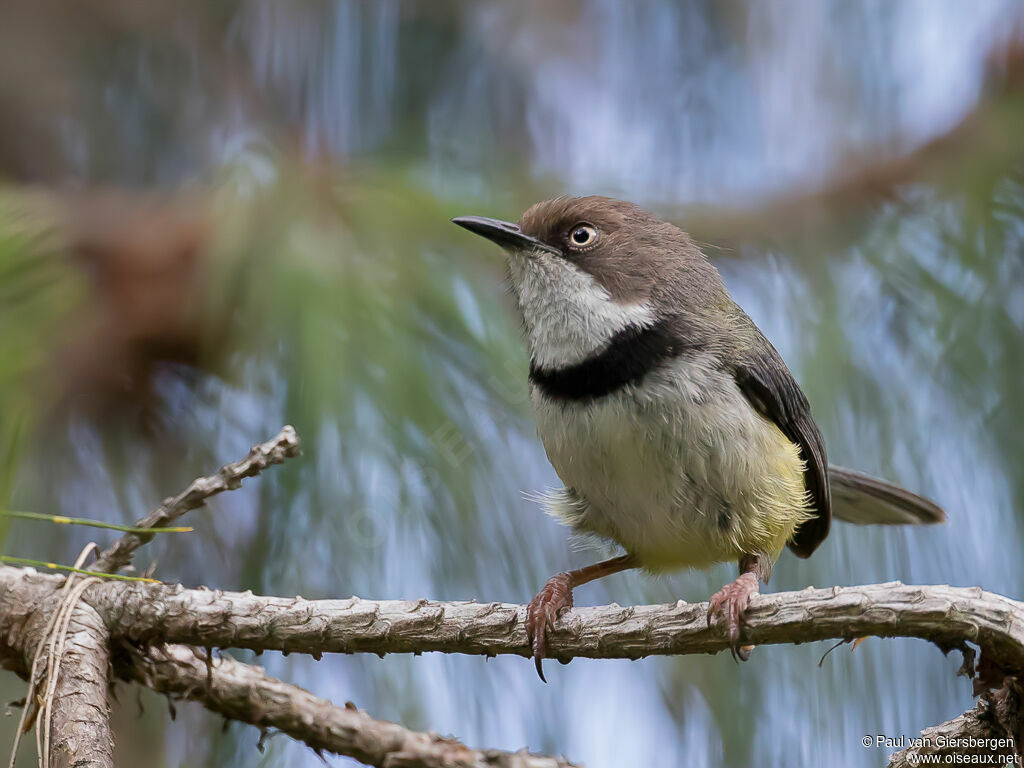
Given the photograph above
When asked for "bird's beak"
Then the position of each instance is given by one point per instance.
(504, 233)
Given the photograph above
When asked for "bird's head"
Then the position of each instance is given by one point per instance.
(586, 268)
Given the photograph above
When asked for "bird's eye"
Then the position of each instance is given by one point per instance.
(582, 236)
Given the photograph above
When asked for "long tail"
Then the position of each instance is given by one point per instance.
(865, 500)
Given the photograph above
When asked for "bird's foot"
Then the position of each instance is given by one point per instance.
(543, 610)
(732, 601)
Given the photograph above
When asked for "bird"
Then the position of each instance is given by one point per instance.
(675, 426)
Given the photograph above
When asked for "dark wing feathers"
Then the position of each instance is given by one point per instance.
(769, 386)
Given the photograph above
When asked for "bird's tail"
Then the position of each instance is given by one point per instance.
(865, 500)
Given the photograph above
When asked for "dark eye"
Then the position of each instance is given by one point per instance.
(582, 236)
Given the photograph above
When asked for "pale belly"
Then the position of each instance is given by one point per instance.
(684, 474)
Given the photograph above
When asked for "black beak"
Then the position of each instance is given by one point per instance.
(504, 233)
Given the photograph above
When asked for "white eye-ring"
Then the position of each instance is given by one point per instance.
(583, 236)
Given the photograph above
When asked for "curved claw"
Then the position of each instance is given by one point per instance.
(543, 611)
(539, 663)
(732, 601)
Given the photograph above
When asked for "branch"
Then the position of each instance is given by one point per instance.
(42, 624)
(246, 693)
(235, 690)
(81, 732)
(149, 615)
(285, 445)
(945, 615)
(991, 728)
(74, 728)
(80, 724)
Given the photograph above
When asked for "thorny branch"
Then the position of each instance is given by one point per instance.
(73, 641)
(149, 623)
(237, 691)
(944, 615)
(155, 613)
(246, 693)
(993, 728)
(149, 615)
(285, 445)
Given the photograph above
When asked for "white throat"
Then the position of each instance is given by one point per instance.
(568, 315)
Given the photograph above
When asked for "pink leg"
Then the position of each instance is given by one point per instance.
(732, 600)
(556, 597)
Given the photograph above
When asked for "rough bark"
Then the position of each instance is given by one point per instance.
(80, 734)
(159, 613)
(993, 728)
(79, 727)
(944, 615)
(246, 693)
(75, 722)
(148, 615)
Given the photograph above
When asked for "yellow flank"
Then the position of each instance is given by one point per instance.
(781, 506)
(767, 514)
(753, 505)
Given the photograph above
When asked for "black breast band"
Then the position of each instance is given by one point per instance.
(631, 354)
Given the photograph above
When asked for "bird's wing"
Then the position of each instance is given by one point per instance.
(771, 389)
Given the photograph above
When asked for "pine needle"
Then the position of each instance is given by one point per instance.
(64, 520)
(58, 567)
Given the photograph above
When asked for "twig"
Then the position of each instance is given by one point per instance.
(246, 693)
(285, 445)
(118, 555)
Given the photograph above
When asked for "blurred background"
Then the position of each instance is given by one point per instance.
(217, 218)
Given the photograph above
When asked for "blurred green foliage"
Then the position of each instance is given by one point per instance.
(40, 298)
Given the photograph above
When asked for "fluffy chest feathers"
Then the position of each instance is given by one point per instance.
(680, 470)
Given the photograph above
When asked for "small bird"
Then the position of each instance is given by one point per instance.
(673, 423)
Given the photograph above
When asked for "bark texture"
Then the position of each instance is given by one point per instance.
(246, 693)
(993, 728)
(145, 617)
(159, 613)
(945, 615)
(80, 724)
(81, 737)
